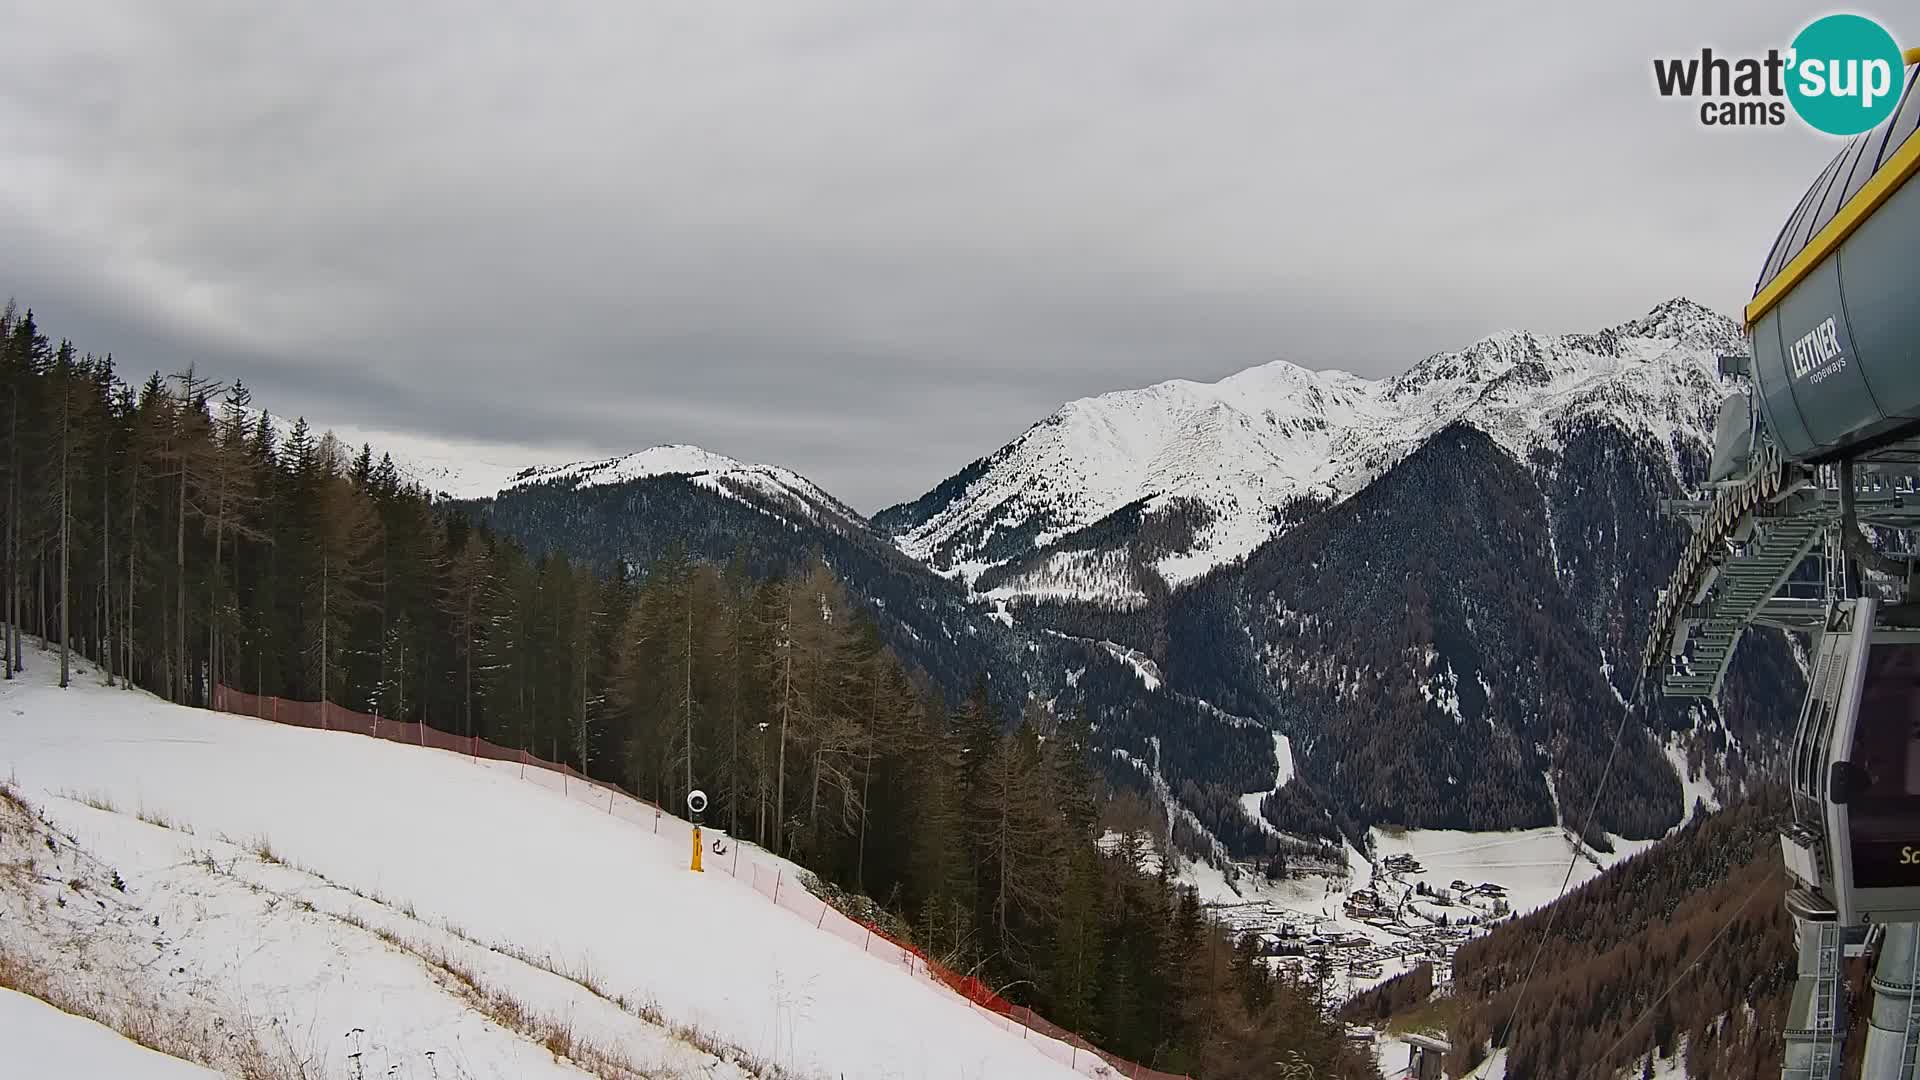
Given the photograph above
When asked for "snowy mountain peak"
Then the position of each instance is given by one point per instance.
(768, 487)
(1216, 466)
(1689, 324)
(668, 460)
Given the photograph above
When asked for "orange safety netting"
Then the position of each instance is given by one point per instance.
(1050, 1039)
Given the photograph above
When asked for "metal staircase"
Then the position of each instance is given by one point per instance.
(1825, 1021)
(1747, 541)
(1777, 537)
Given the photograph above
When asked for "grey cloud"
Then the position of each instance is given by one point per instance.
(869, 241)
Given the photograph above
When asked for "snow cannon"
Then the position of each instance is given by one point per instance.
(1834, 322)
(696, 805)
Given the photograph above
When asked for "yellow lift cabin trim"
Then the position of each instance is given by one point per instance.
(1887, 180)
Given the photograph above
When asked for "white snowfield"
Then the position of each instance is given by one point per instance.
(439, 851)
(39, 1041)
(1529, 864)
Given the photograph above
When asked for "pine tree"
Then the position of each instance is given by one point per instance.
(346, 536)
(1077, 942)
(234, 502)
(465, 599)
(1017, 831)
(72, 406)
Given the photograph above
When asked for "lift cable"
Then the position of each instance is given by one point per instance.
(1684, 972)
(1553, 909)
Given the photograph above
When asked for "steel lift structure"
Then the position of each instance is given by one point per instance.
(1808, 522)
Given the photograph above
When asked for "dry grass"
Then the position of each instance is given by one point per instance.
(10, 796)
(159, 819)
(262, 849)
(187, 1033)
(209, 1041)
(503, 1008)
(179, 1033)
(99, 800)
(582, 974)
(558, 1035)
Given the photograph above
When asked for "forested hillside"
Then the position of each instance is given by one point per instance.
(1622, 940)
(926, 619)
(1440, 648)
(167, 533)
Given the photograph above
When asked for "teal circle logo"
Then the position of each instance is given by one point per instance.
(1844, 74)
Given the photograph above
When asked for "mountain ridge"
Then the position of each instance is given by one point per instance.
(1145, 557)
(1232, 455)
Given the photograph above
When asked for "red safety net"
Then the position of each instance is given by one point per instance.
(772, 881)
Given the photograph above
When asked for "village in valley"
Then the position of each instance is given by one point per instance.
(1366, 924)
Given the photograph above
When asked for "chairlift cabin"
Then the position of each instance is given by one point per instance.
(1856, 768)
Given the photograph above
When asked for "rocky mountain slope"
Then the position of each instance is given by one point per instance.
(1181, 477)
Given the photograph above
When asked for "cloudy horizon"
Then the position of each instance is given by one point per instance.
(866, 242)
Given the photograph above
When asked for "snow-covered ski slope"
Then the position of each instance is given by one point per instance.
(41, 1041)
(499, 859)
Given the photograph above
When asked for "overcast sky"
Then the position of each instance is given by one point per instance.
(871, 241)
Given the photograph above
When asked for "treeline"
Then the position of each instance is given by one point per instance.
(171, 534)
(1624, 939)
(924, 618)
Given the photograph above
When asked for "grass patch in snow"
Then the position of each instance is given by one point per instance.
(10, 796)
(159, 819)
(97, 799)
(262, 849)
(230, 1044)
(557, 1034)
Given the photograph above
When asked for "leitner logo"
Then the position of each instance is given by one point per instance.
(1817, 352)
(1842, 75)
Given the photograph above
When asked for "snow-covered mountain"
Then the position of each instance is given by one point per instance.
(1209, 471)
(766, 486)
(634, 510)
(1474, 541)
